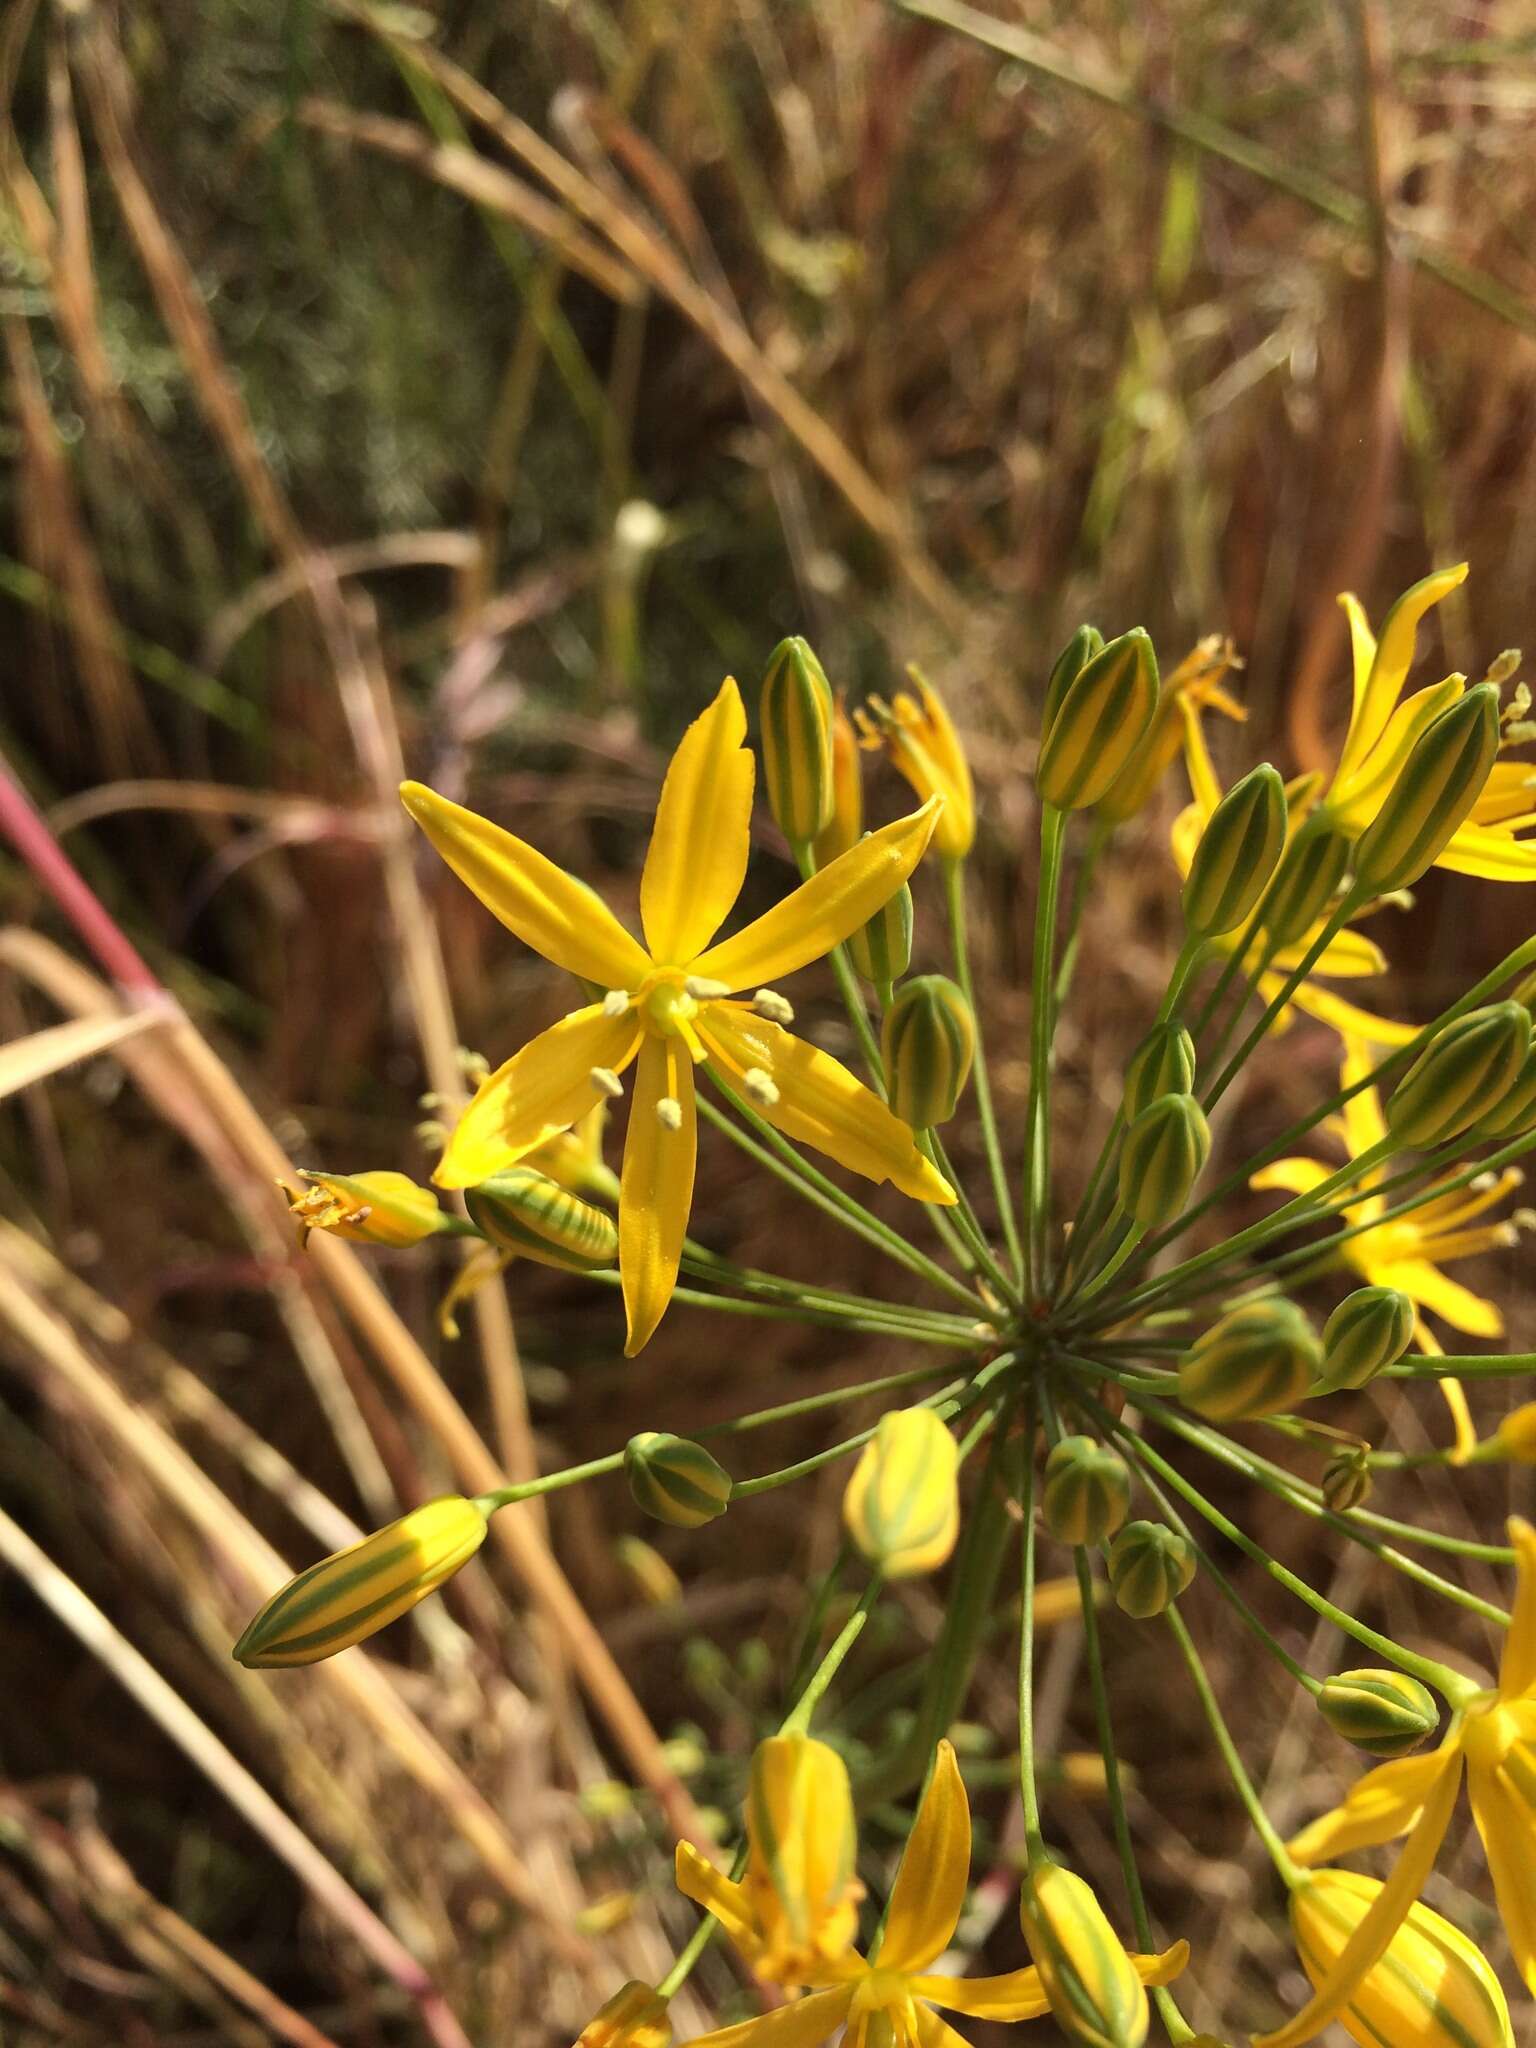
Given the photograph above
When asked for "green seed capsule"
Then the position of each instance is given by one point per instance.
(1368, 1331)
(526, 1212)
(1085, 643)
(1086, 1491)
(1515, 1112)
(675, 1480)
(1258, 1360)
(1238, 852)
(881, 950)
(1435, 790)
(1347, 1481)
(1314, 865)
(1385, 1713)
(1464, 1074)
(796, 713)
(1102, 718)
(1149, 1567)
(1164, 1151)
(927, 1038)
(1163, 1064)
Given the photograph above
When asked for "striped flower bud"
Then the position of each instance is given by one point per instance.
(348, 1597)
(1085, 643)
(1161, 1158)
(882, 949)
(796, 714)
(927, 1039)
(1163, 1064)
(1385, 1713)
(845, 827)
(524, 1211)
(633, 2018)
(1259, 1359)
(1149, 1567)
(1096, 1997)
(1515, 1111)
(676, 1481)
(902, 1506)
(1238, 852)
(1435, 790)
(1306, 882)
(1086, 1491)
(1432, 1988)
(801, 1841)
(1464, 1073)
(368, 1208)
(1347, 1480)
(1368, 1331)
(1102, 717)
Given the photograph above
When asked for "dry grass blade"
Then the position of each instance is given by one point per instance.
(43, 1053)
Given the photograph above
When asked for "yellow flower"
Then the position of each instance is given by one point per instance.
(799, 1882)
(921, 742)
(633, 2018)
(1493, 1744)
(1194, 686)
(1408, 1252)
(888, 1998)
(666, 1006)
(369, 1208)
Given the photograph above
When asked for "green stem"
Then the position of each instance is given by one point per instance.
(1098, 839)
(954, 894)
(848, 988)
(1029, 1790)
(798, 1719)
(1042, 1014)
(1352, 901)
(968, 1226)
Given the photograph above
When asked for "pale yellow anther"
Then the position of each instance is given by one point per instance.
(616, 1002)
(759, 1084)
(770, 1004)
(703, 990)
(669, 1113)
(607, 1082)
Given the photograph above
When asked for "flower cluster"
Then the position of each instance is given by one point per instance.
(1079, 1356)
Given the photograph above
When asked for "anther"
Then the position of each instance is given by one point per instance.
(432, 1136)
(669, 1113)
(703, 990)
(770, 1004)
(616, 1003)
(474, 1066)
(759, 1085)
(606, 1082)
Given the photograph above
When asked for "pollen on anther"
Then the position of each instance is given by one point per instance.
(703, 990)
(616, 1003)
(770, 1004)
(669, 1113)
(606, 1082)
(759, 1084)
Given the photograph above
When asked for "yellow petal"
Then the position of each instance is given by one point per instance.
(1355, 802)
(1362, 645)
(1016, 1996)
(1505, 1827)
(1493, 856)
(933, 2032)
(1291, 1176)
(1380, 1806)
(1509, 792)
(543, 1089)
(1517, 1672)
(656, 1187)
(1163, 1968)
(1464, 1430)
(1364, 1123)
(819, 1102)
(823, 912)
(1447, 1298)
(935, 1869)
(698, 1879)
(699, 843)
(559, 917)
(1339, 1015)
(1203, 781)
(1392, 658)
(806, 2025)
(1348, 956)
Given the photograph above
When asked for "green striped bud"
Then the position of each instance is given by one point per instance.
(1102, 718)
(796, 715)
(525, 1212)
(348, 1597)
(1347, 1480)
(1161, 1158)
(902, 1506)
(801, 1836)
(1385, 1713)
(1163, 1064)
(675, 1480)
(1463, 1074)
(633, 2018)
(1085, 643)
(1308, 879)
(1437, 786)
(1515, 1112)
(882, 949)
(927, 1038)
(1368, 1331)
(1096, 1997)
(1258, 1360)
(1238, 852)
(1086, 1491)
(1149, 1567)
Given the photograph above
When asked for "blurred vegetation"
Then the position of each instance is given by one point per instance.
(470, 390)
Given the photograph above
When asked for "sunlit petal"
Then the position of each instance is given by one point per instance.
(806, 2025)
(559, 917)
(822, 912)
(1383, 1804)
(698, 1879)
(656, 1186)
(1447, 1298)
(1494, 856)
(935, 1869)
(1505, 1827)
(1362, 645)
(1517, 1672)
(1509, 792)
(934, 2032)
(543, 1089)
(1342, 1016)
(1391, 660)
(1016, 1996)
(1356, 800)
(1348, 956)
(700, 840)
(1292, 1176)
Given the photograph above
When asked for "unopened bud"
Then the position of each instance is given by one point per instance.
(1515, 1111)
(1102, 717)
(1149, 1567)
(1308, 878)
(1259, 1359)
(846, 825)
(525, 1212)
(1161, 1159)
(1368, 1331)
(802, 1841)
(1085, 643)
(881, 950)
(633, 2018)
(1238, 852)
(927, 1039)
(674, 1480)
(1163, 1064)
(902, 1505)
(796, 714)
(1347, 1480)
(1096, 1997)
(1462, 1075)
(1435, 790)
(1086, 1491)
(1385, 1713)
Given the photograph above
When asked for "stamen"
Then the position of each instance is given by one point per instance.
(669, 1113)
(703, 990)
(770, 1004)
(606, 1082)
(474, 1066)
(616, 1003)
(432, 1136)
(760, 1086)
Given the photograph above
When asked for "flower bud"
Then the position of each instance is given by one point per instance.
(676, 1481)
(1238, 852)
(1385, 1713)
(1368, 1331)
(1163, 1064)
(845, 827)
(800, 1861)
(524, 1211)
(882, 949)
(1161, 1158)
(1347, 1480)
(1085, 643)
(648, 1571)
(1259, 1359)
(1464, 1073)
(1096, 1997)
(1306, 882)
(1103, 714)
(1086, 1491)
(1515, 1111)
(1432, 1988)
(921, 743)
(369, 1208)
(633, 2018)
(796, 715)
(348, 1597)
(902, 1506)
(1435, 790)
(927, 1039)
(1149, 1567)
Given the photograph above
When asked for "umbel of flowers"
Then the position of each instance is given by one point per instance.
(1075, 1370)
